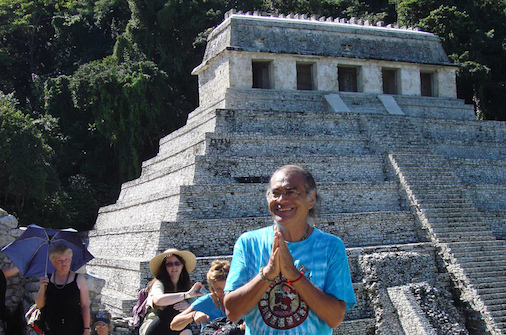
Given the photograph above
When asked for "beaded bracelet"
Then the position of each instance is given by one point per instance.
(296, 280)
(263, 277)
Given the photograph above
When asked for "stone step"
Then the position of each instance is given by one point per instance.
(434, 192)
(447, 207)
(442, 224)
(494, 298)
(485, 266)
(496, 306)
(498, 288)
(285, 144)
(248, 169)
(456, 216)
(214, 201)
(456, 225)
(462, 231)
(327, 168)
(469, 129)
(463, 248)
(384, 228)
(499, 255)
(437, 192)
(356, 327)
(499, 314)
(480, 170)
(490, 285)
(431, 107)
(459, 149)
(276, 122)
(217, 201)
(447, 238)
(457, 220)
(487, 276)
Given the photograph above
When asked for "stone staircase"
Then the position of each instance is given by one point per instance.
(389, 187)
(474, 258)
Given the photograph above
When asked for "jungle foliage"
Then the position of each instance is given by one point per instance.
(88, 87)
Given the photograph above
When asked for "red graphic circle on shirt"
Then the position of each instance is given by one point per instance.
(281, 307)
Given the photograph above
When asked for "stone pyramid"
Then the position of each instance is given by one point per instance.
(413, 184)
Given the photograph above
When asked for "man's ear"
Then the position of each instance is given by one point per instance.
(312, 196)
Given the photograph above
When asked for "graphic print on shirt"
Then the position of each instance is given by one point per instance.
(281, 306)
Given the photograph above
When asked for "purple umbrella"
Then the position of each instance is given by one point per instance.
(30, 251)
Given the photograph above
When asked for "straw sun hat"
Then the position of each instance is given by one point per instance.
(189, 259)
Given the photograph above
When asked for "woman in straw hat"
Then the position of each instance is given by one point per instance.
(169, 290)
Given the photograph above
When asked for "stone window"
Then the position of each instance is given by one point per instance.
(347, 78)
(305, 76)
(390, 81)
(262, 74)
(427, 84)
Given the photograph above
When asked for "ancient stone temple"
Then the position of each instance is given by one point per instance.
(413, 184)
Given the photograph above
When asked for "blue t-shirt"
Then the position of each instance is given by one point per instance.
(322, 258)
(206, 305)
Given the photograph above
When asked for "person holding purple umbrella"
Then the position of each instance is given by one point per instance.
(64, 294)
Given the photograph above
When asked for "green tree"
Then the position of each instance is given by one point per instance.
(114, 115)
(28, 182)
(25, 46)
(473, 34)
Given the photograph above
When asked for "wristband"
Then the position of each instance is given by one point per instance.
(261, 272)
(296, 280)
(186, 296)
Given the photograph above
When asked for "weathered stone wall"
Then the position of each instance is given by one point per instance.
(14, 292)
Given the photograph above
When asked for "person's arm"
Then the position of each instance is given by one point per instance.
(40, 299)
(9, 272)
(186, 317)
(85, 302)
(326, 306)
(241, 300)
(182, 319)
(167, 299)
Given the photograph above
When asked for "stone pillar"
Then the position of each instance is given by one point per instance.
(327, 75)
(241, 72)
(371, 78)
(446, 82)
(409, 80)
(284, 74)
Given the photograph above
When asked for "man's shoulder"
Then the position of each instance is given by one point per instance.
(328, 238)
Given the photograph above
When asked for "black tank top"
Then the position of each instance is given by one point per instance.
(63, 309)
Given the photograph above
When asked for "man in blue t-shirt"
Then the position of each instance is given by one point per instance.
(289, 278)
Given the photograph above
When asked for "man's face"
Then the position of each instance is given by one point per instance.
(288, 199)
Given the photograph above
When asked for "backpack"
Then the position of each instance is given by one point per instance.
(222, 326)
(140, 308)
